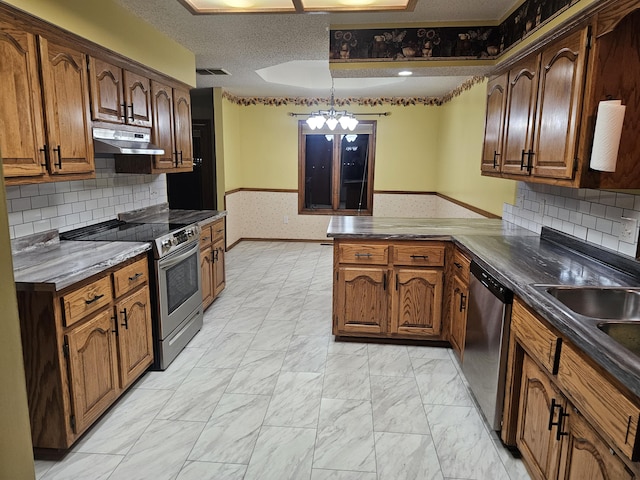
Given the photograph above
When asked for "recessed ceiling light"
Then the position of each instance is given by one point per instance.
(405, 73)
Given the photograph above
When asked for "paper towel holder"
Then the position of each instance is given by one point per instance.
(607, 135)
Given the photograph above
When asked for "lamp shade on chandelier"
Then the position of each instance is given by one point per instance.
(331, 118)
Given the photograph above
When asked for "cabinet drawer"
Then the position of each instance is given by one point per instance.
(427, 255)
(217, 230)
(461, 265)
(131, 276)
(599, 400)
(85, 300)
(534, 336)
(363, 253)
(205, 236)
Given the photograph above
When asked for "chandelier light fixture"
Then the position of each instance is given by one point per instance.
(331, 118)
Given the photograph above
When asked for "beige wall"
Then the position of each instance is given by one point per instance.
(16, 457)
(461, 137)
(108, 24)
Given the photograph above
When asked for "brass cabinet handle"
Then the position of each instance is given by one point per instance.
(94, 299)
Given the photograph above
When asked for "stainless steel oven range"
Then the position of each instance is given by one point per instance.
(176, 292)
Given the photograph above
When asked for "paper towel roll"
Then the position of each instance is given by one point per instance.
(606, 138)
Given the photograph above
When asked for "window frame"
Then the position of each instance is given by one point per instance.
(365, 127)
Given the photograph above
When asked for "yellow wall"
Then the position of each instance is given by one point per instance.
(419, 149)
(16, 457)
(113, 27)
(461, 138)
(261, 146)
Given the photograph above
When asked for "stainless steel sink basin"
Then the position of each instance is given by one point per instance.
(626, 334)
(611, 303)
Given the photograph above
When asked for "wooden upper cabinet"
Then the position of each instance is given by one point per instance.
(21, 120)
(137, 95)
(66, 98)
(118, 95)
(107, 92)
(560, 96)
(182, 115)
(162, 133)
(494, 123)
(520, 115)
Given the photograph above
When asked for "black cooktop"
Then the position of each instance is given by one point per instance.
(117, 230)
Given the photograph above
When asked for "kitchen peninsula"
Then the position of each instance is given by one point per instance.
(372, 254)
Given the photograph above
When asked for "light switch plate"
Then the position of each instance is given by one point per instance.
(628, 229)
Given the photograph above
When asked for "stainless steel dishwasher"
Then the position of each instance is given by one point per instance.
(487, 340)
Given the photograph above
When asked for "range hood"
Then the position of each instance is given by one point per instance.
(124, 142)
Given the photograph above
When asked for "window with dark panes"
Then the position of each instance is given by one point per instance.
(336, 170)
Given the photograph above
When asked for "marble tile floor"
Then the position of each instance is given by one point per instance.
(264, 392)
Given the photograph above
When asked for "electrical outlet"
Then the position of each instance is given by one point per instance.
(285, 219)
(628, 229)
(519, 201)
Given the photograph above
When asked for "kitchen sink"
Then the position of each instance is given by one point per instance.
(611, 303)
(626, 334)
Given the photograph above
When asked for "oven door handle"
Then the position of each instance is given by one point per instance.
(174, 260)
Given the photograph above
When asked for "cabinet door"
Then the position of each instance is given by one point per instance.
(585, 456)
(417, 302)
(107, 90)
(520, 115)
(135, 344)
(458, 315)
(21, 119)
(362, 304)
(494, 123)
(162, 132)
(562, 78)
(206, 274)
(65, 86)
(93, 369)
(218, 268)
(137, 94)
(182, 114)
(537, 442)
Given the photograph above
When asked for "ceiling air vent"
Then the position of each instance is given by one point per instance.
(212, 71)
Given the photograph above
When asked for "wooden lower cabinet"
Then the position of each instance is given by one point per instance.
(135, 340)
(458, 315)
(75, 370)
(388, 290)
(540, 404)
(361, 303)
(93, 369)
(561, 430)
(212, 266)
(586, 456)
(416, 302)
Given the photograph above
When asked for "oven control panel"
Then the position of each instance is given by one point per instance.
(174, 240)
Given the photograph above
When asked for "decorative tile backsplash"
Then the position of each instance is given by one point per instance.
(68, 205)
(592, 215)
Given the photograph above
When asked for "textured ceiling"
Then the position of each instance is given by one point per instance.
(243, 44)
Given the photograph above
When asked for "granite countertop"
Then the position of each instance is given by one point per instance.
(162, 214)
(55, 265)
(521, 259)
